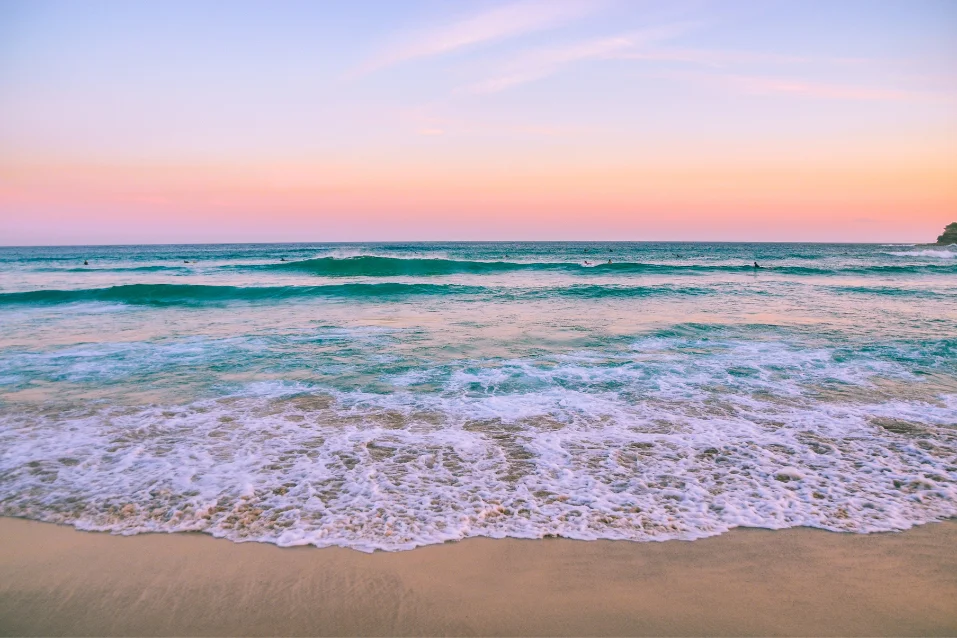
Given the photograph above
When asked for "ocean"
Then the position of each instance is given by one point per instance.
(388, 396)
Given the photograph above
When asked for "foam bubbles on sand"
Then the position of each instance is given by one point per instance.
(678, 438)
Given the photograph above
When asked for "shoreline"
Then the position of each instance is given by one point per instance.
(56, 580)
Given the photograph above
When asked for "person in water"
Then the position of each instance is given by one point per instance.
(86, 263)
(756, 265)
(282, 259)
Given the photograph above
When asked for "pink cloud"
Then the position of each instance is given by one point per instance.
(502, 22)
(543, 63)
(764, 85)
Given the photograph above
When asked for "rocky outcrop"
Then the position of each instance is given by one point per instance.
(950, 234)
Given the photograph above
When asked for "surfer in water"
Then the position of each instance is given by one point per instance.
(282, 259)
(86, 263)
(756, 266)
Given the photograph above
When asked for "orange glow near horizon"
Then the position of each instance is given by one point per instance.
(657, 200)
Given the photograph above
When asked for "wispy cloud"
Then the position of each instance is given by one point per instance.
(770, 85)
(719, 58)
(790, 86)
(543, 63)
(714, 58)
(502, 22)
(651, 45)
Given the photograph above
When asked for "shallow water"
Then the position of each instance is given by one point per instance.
(389, 396)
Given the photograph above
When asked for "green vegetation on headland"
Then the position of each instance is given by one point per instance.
(949, 236)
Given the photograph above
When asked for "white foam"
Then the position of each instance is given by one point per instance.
(672, 438)
(942, 253)
(585, 446)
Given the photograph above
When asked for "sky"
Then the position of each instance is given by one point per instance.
(399, 120)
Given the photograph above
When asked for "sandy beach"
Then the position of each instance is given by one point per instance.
(55, 580)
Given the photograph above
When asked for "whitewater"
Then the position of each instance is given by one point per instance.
(388, 396)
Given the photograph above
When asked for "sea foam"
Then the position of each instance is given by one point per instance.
(654, 444)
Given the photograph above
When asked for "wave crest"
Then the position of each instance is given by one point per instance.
(375, 266)
(187, 294)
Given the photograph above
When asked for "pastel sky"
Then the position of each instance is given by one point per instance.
(167, 122)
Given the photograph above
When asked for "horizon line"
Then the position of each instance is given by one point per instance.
(480, 241)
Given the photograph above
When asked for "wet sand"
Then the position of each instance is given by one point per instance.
(57, 581)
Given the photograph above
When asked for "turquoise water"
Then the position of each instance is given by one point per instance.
(385, 396)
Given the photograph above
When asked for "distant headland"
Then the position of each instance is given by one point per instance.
(949, 236)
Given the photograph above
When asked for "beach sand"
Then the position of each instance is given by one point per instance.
(55, 580)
